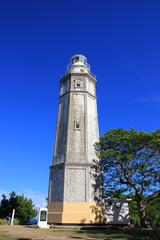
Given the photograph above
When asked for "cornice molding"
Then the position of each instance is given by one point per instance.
(69, 75)
(77, 91)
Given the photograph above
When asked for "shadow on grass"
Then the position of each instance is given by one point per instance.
(120, 235)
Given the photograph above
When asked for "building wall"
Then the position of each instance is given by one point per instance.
(61, 132)
(70, 180)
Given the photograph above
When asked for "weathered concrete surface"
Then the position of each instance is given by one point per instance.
(77, 132)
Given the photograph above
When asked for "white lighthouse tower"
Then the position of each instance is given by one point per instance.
(71, 197)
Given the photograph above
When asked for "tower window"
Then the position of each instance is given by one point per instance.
(75, 59)
(78, 84)
(77, 125)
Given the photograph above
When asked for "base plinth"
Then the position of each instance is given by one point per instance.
(71, 213)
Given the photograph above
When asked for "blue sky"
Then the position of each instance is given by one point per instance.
(37, 38)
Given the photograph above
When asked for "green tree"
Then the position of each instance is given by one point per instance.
(4, 207)
(128, 163)
(24, 208)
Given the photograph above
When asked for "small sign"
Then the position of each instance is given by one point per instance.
(43, 216)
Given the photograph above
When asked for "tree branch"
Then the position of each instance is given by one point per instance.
(152, 197)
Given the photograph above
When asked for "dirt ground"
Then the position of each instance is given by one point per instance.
(26, 233)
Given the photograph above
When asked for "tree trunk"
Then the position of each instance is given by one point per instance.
(142, 214)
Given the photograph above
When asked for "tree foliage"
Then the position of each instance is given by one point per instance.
(129, 163)
(153, 213)
(24, 208)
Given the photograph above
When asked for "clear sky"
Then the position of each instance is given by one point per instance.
(120, 38)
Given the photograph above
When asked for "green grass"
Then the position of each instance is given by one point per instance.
(4, 237)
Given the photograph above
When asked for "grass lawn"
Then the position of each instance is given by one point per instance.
(7, 238)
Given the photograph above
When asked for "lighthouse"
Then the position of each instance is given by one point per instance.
(70, 194)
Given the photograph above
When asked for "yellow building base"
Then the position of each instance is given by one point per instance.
(74, 213)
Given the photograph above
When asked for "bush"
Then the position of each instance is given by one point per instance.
(16, 221)
(152, 213)
(3, 221)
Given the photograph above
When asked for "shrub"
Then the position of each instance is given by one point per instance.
(3, 221)
(16, 221)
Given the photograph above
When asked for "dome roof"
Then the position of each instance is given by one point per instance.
(78, 63)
